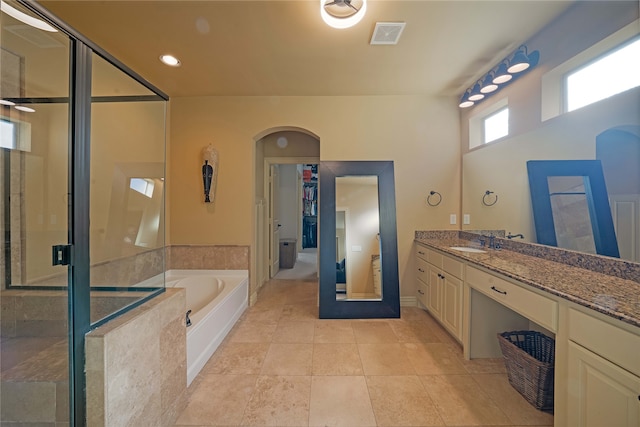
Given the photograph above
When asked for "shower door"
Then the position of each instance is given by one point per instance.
(34, 217)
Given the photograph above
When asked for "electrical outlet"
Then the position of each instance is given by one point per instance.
(453, 219)
(466, 219)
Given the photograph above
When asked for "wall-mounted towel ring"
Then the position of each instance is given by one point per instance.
(437, 198)
(487, 199)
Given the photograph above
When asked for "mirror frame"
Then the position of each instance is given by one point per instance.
(389, 305)
(597, 199)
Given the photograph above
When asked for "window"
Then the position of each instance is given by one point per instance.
(496, 125)
(613, 73)
(7, 134)
(142, 186)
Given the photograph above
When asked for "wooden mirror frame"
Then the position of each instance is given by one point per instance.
(389, 305)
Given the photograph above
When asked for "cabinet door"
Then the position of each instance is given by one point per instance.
(600, 393)
(452, 304)
(434, 304)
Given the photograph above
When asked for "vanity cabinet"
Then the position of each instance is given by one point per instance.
(603, 366)
(440, 288)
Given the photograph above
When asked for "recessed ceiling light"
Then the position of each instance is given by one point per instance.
(170, 60)
(25, 109)
(6, 102)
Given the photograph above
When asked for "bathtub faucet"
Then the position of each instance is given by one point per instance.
(188, 320)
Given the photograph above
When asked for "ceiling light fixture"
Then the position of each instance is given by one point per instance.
(25, 109)
(27, 19)
(170, 60)
(342, 13)
(506, 71)
(7, 102)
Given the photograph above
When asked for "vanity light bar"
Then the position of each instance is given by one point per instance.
(506, 71)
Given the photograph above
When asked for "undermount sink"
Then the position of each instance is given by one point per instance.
(467, 249)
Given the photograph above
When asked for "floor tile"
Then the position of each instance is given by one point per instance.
(413, 332)
(263, 314)
(512, 404)
(484, 366)
(385, 359)
(371, 332)
(237, 359)
(289, 331)
(401, 401)
(334, 331)
(308, 311)
(218, 400)
(461, 402)
(433, 359)
(288, 359)
(253, 332)
(336, 359)
(279, 401)
(340, 401)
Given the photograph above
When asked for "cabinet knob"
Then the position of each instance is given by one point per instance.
(420, 270)
(422, 293)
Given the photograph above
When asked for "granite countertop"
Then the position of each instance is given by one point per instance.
(607, 294)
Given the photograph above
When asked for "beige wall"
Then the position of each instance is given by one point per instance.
(420, 134)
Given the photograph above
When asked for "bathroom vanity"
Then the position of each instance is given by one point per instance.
(594, 318)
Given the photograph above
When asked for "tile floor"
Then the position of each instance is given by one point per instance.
(282, 366)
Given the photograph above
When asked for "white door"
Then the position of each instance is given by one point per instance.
(274, 221)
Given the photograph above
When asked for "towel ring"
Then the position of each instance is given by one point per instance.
(434, 193)
(486, 199)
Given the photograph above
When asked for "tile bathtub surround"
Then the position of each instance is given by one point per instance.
(304, 371)
(207, 257)
(136, 365)
(608, 294)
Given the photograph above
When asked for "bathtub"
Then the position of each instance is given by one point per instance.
(217, 299)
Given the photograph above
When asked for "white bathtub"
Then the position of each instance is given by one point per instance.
(217, 299)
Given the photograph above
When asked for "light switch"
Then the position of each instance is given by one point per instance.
(466, 219)
(453, 219)
(356, 248)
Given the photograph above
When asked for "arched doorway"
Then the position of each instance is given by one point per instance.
(276, 146)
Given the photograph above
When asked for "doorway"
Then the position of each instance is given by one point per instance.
(279, 162)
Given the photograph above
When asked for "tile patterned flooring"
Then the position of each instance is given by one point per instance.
(282, 366)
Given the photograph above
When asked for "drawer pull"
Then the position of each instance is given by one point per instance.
(421, 253)
(420, 270)
(420, 292)
(493, 288)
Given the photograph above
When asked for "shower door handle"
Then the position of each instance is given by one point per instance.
(61, 255)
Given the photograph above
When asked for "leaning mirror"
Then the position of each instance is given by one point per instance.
(358, 240)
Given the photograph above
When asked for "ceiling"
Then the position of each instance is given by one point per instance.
(283, 48)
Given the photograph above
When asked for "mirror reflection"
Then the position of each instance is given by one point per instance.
(571, 213)
(358, 238)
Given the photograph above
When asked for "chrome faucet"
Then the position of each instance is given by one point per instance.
(513, 236)
(492, 241)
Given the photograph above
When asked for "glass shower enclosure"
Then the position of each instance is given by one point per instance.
(82, 167)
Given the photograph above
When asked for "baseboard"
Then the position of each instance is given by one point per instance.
(253, 298)
(408, 302)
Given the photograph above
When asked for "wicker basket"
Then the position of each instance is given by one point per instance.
(529, 358)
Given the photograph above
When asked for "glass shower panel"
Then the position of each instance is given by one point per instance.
(34, 165)
(127, 190)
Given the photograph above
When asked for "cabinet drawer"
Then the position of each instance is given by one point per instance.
(422, 270)
(542, 310)
(423, 292)
(453, 266)
(421, 252)
(434, 258)
(612, 343)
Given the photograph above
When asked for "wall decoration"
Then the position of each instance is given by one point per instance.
(209, 172)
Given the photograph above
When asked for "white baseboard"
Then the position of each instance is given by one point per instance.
(408, 302)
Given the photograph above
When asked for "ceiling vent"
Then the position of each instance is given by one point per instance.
(33, 35)
(387, 32)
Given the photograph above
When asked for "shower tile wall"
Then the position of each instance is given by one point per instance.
(136, 365)
(208, 257)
